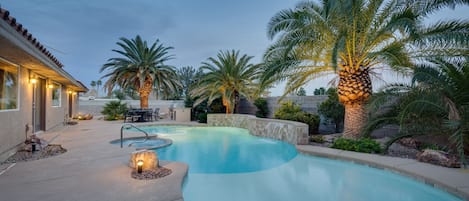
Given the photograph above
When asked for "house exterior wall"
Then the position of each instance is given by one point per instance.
(55, 115)
(13, 122)
(20, 48)
(16, 124)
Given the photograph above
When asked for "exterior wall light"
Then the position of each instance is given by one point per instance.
(139, 166)
(33, 80)
(50, 86)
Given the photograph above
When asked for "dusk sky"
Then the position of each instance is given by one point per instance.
(82, 33)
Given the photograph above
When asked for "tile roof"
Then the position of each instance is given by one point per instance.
(5, 15)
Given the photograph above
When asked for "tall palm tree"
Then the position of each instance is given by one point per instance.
(98, 84)
(93, 83)
(228, 76)
(189, 76)
(166, 82)
(139, 67)
(437, 102)
(353, 38)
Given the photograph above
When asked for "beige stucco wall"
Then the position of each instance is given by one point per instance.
(55, 115)
(13, 123)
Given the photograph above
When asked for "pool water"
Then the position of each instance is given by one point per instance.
(226, 150)
(229, 164)
(141, 142)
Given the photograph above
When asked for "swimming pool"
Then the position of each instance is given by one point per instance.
(230, 164)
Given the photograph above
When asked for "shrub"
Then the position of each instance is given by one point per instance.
(119, 94)
(291, 111)
(332, 109)
(364, 145)
(202, 117)
(114, 110)
(262, 109)
(287, 108)
(317, 139)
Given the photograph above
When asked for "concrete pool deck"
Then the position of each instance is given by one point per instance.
(94, 169)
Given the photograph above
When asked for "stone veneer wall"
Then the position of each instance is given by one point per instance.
(288, 131)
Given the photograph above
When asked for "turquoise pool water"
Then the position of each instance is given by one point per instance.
(229, 164)
(140, 142)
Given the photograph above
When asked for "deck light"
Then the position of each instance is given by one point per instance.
(33, 146)
(139, 166)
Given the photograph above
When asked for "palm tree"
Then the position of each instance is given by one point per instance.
(93, 83)
(228, 76)
(167, 83)
(189, 77)
(98, 83)
(139, 67)
(437, 102)
(351, 39)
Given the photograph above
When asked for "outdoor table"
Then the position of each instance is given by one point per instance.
(142, 114)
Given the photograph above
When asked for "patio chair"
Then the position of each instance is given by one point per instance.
(148, 114)
(132, 115)
(156, 114)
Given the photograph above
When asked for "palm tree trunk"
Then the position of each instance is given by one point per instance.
(144, 93)
(355, 118)
(143, 102)
(354, 90)
(227, 106)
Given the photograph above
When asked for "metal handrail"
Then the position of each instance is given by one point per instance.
(127, 126)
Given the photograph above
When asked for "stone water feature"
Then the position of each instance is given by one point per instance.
(150, 167)
(288, 131)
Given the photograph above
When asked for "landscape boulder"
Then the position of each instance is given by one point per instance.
(438, 158)
(149, 158)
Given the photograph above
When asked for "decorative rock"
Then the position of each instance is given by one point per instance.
(27, 155)
(150, 159)
(396, 149)
(408, 142)
(438, 158)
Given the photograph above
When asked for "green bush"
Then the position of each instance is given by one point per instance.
(114, 110)
(287, 108)
(364, 145)
(202, 117)
(262, 109)
(317, 139)
(332, 109)
(291, 111)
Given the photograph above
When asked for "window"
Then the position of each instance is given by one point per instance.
(8, 86)
(56, 94)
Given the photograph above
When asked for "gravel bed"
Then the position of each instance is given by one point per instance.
(151, 174)
(27, 155)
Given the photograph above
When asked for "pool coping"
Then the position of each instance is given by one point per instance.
(452, 180)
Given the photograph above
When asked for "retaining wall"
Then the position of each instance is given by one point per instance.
(288, 131)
